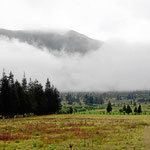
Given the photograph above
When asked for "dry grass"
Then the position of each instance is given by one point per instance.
(77, 132)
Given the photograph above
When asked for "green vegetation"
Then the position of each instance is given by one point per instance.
(122, 103)
(27, 98)
(135, 109)
(139, 109)
(128, 110)
(109, 107)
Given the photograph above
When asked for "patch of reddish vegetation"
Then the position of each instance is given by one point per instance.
(60, 131)
(55, 139)
(72, 129)
(57, 131)
(5, 136)
(76, 124)
(88, 134)
(83, 134)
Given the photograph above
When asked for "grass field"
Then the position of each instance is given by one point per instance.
(77, 132)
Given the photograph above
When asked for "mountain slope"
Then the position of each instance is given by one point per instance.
(70, 41)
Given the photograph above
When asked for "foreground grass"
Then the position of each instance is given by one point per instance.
(77, 132)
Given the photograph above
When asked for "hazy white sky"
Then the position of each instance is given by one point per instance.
(122, 63)
(101, 19)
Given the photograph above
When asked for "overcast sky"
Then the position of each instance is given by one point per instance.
(101, 19)
(122, 63)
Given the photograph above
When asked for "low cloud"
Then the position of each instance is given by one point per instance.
(117, 65)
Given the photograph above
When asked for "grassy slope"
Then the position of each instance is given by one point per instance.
(81, 132)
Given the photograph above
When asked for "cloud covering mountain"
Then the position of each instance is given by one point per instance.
(68, 41)
(117, 65)
(73, 61)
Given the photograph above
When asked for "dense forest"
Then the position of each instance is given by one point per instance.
(24, 98)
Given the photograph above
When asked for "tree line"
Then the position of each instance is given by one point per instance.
(126, 109)
(22, 98)
(80, 98)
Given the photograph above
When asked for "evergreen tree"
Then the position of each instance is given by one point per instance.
(70, 110)
(48, 97)
(124, 108)
(39, 98)
(24, 83)
(139, 109)
(31, 94)
(16, 98)
(128, 110)
(135, 109)
(11, 78)
(24, 101)
(13, 97)
(4, 95)
(21, 106)
(109, 107)
(56, 100)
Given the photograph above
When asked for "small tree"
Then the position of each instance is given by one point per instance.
(139, 109)
(70, 110)
(109, 107)
(128, 110)
(124, 108)
(135, 109)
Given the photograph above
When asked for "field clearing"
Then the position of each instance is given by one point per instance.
(76, 131)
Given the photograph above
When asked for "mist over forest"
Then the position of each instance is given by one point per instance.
(115, 65)
(79, 45)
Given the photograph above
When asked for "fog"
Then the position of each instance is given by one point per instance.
(117, 65)
(98, 19)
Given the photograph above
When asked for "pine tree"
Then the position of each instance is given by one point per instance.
(16, 98)
(48, 97)
(70, 110)
(31, 96)
(22, 105)
(124, 108)
(24, 83)
(109, 107)
(13, 96)
(39, 98)
(128, 110)
(4, 95)
(139, 109)
(24, 101)
(135, 109)
(56, 100)
(11, 78)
